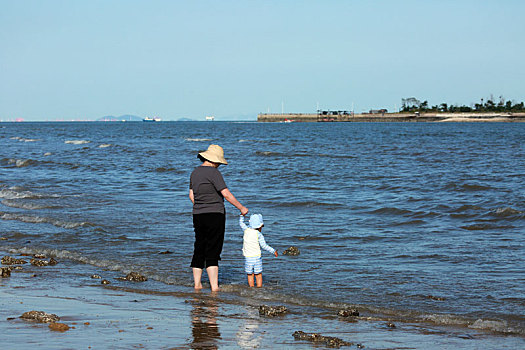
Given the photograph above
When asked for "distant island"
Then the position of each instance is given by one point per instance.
(132, 118)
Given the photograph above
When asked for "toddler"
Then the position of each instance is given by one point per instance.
(251, 249)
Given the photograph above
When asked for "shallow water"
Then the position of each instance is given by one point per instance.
(421, 222)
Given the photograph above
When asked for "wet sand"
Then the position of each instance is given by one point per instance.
(129, 316)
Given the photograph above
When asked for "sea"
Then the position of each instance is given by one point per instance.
(418, 222)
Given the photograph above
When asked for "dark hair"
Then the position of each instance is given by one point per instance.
(201, 158)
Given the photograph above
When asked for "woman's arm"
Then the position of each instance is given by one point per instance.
(192, 198)
(231, 198)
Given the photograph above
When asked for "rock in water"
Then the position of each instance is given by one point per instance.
(292, 251)
(58, 327)
(7, 260)
(348, 312)
(37, 262)
(40, 316)
(133, 276)
(5, 272)
(331, 342)
(271, 311)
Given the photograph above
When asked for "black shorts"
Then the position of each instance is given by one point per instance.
(209, 238)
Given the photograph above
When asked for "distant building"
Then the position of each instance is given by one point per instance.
(378, 111)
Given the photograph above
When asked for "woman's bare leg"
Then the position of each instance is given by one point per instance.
(197, 275)
(213, 276)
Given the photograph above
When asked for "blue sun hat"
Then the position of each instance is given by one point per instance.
(256, 221)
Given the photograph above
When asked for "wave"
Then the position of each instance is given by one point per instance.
(499, 326)
(19, 163)
(466, 211)
(309, 204)
(77, 142)
(16, 192)
(45, 220)
(409, 223)
(391, 211)
(337, 156)
(485, 226)
(495, 326)
(467, 187)
(196, 139)
(104, 145)
(22, 163)
(287, 155)
(268, 154)
(507, 213)
(16, 203)
(22, 139)
(106, 264)
(169, 170)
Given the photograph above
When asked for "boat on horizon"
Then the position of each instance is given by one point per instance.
(210, 118)
(151, 119)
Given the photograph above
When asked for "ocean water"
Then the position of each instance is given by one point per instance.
(423, 222)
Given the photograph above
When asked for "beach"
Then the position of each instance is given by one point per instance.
(126, 316)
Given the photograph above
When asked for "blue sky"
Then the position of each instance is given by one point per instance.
(234, 59)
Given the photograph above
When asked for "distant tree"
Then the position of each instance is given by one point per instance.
(518, 107)
(490, 106)
(410, 104)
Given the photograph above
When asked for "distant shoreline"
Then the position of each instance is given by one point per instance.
(392, 117)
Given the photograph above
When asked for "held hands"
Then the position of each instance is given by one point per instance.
(244, 211)
(276, 255)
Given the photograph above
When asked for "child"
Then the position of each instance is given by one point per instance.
(251, 249)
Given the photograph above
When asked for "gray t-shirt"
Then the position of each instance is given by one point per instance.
(207, 184)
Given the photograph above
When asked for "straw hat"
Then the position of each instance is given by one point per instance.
(214, 154)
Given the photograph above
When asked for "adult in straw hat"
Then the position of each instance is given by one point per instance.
(207, 193)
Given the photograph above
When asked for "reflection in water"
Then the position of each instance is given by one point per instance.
(205, 330)
(246, 336)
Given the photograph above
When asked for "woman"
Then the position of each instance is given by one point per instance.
(207, 193)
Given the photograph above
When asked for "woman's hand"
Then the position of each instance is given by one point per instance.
(244, 211)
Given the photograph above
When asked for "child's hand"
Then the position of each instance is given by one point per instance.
(276, 254)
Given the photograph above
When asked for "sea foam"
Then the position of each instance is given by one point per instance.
(77, 142)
